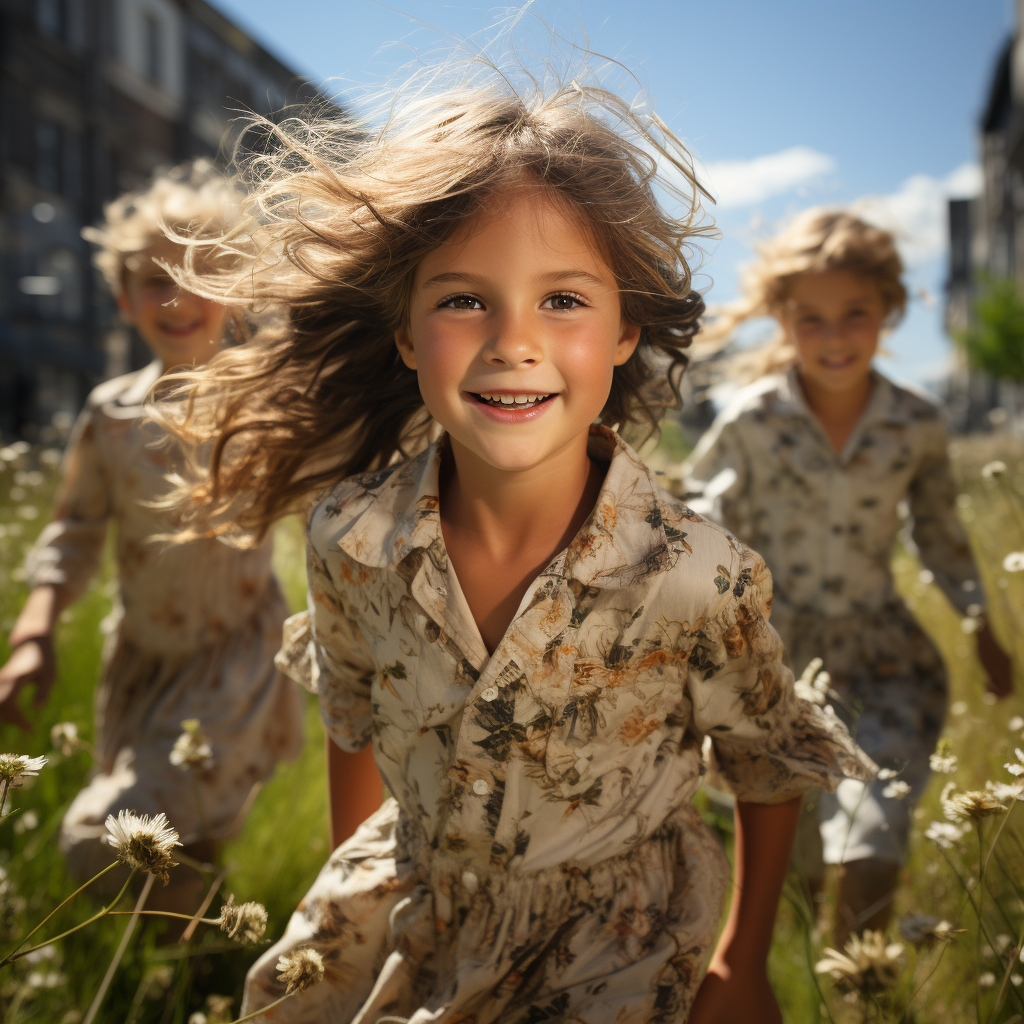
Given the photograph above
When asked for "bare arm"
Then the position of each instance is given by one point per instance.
(32, 657)
(736, 987)
(354, 790)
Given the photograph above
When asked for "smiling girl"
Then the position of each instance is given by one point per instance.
(196, 626)
(810, 465)
(533, 636)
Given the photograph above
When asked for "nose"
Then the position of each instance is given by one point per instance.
(514, 341)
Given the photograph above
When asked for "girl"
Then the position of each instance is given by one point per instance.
(533, 636)
(809, 465)
(197, 625)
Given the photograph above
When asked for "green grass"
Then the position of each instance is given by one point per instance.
(284, 841)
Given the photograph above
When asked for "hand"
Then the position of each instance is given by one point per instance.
(31, 661)
(996, 663)
(728, 996)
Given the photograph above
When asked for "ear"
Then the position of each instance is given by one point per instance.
(125, 306)
(629, 338)
(403, 342)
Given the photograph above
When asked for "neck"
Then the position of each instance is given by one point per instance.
(834, 406)
(510, 510)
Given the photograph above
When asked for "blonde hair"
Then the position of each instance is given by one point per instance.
(193, 199)
(817, 240)
(347, 210)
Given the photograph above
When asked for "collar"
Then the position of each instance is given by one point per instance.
(395, 514)
(883, 405)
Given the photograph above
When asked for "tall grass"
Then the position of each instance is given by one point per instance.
(284, 841)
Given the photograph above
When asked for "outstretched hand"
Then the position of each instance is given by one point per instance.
(996, 662)
(32, 661)
(725, 997)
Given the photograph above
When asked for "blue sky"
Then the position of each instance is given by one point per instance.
(787, 103)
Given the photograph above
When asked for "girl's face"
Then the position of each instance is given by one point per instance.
(514, 330)
(180, 328)
(834, 318)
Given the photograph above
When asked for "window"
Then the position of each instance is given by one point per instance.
(151, 42)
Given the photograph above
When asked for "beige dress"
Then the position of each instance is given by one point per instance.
(541, 859)
(194, 634)
(826, 524)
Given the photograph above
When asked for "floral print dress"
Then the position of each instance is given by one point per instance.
(193, 635)
(541, 858)
(826, 524)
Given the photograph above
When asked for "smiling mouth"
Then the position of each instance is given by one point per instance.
(511, 402)
(181, 328)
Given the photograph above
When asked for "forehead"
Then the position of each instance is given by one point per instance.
(529, 227)
(146, 261)
(832, 287)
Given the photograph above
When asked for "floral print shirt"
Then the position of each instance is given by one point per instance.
(827, 522)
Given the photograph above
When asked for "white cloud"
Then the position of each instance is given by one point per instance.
(746, 182)
(917, 212)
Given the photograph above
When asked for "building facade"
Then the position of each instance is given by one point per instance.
(94, 96)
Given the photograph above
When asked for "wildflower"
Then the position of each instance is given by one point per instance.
(243, 922)
(1016, 767)
(1015, 724)
(1015, 979)
(28, 821)
(1014, 562)
(192, 748)
(896, 790)
(887, 773)
(301, 970)
(1004, 791)
(15, 768)
(142, 842)
(867, 964)
(986, 980)
(219, 1008)
(28, 512)
(64, 736)
(51, 979)
(944, 834)
(943, 760)
(973, 803)
(923, 929)
(813, 684)
(993, 470)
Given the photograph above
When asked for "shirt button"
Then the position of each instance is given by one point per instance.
(490, 693)
(481, 788)
(470, 882)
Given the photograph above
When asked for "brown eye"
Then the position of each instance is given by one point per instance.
(460, 302)
(564, 301)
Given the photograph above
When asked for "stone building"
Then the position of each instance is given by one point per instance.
(94, 95)
(986, 236)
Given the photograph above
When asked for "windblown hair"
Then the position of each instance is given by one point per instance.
(816, 240)
(345, 212)
(193, 199)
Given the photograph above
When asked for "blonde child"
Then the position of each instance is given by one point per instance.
(810, 464)
(535, 638)
(197, 625)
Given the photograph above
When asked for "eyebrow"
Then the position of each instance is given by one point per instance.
(555, 277)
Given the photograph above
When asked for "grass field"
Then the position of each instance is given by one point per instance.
(274, 865)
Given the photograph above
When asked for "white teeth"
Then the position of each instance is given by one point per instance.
(507, 399)
(523, 399)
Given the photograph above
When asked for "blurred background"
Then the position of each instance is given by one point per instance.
(910, 111)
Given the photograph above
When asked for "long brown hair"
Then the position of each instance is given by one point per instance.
(341, 212)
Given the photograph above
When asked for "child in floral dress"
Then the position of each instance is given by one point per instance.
(534, 637)
(811, 465)
(195, 630)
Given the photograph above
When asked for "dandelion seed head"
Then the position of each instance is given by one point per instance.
(192, 748)
(15, 768)
(142, 842)
(301, 969)
(896, 790)
(1014, 562)
(64, 736)
(243, 922)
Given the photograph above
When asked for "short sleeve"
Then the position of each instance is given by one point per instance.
(714, 478)
(325, 651)
(69, 549)
(769, 743)
(935, 529)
